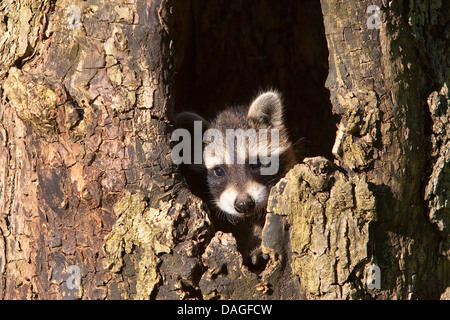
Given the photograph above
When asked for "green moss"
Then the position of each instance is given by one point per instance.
(139, 226)
(329, 216)
(33, 101)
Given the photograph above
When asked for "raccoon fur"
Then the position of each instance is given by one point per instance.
(237, 193)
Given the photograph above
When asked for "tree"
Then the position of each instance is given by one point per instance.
(92, 206)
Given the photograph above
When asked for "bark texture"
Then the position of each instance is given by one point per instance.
(88, 191)
(379, 82)
(86, 96)
(330, 217)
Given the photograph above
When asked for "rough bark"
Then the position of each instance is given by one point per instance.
(379, 82)
(84, 114)
(86, 178)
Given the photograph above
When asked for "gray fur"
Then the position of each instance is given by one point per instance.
(238, 198)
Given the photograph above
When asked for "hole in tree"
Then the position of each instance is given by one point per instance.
(227, 51)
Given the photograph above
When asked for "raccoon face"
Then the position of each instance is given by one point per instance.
(240, 187)
(241, 190)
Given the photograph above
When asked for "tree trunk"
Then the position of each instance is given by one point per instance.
(93, 208)
(380, 80)
(84, 117)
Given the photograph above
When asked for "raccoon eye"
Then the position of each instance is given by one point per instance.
(219, 171)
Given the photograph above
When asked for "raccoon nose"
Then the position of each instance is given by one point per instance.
(244, 205)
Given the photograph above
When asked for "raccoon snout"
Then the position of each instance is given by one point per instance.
(245, 204)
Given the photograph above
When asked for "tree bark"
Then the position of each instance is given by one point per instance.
(84, 116)
(93, 208)
(379, 82)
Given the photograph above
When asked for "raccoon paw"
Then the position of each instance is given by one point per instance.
(258, 260)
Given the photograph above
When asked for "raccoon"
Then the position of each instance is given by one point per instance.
(237, 191)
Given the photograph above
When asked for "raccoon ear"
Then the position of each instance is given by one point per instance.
(185, 120)
(266, 111)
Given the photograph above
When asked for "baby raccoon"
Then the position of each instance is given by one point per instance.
(245, 152)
